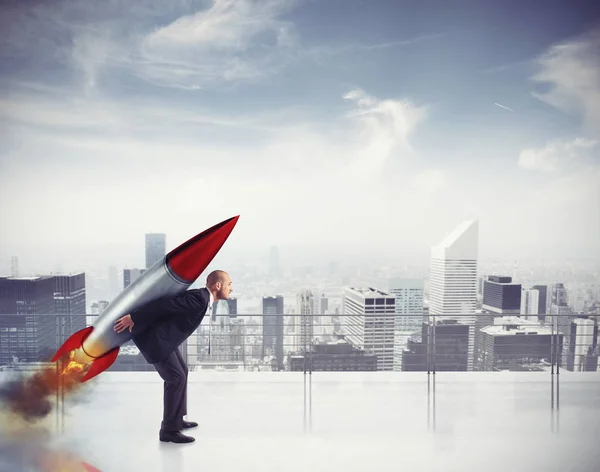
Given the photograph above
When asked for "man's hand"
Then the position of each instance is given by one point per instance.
(123, 323)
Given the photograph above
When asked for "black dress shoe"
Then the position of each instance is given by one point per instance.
(175, 437)
(189, 424)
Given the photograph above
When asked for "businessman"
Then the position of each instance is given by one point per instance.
(158, 329)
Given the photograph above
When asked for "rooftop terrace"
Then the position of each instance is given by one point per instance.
(290, 421)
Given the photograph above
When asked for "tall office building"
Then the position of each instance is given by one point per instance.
(530, 304)
(409, 313)
(69, 299)
(453, 279)
(272, 345)
(369, 317)
(322, 324)
(542, 301)
(560, 310)
(501, 295)
(409, 303)
(559, 295)
(323, 304)
(517, 344)
(232, 306)
(33, 321)
(304, 323)
(69, 294)
(130, 276)
(583, 350)
(155, 248)
(442, 346)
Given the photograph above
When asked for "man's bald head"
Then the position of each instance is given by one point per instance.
(216, 276)
(219, 283)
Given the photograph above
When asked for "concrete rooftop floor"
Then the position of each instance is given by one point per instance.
(288, 421)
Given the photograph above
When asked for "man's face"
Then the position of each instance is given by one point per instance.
(225, 289)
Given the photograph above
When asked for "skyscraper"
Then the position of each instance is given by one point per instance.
(560, 310)
(368, 322)
(409, 313)
(272, 309)
(542, 300)
(155, 248)
(130, 275)
(453, 279)
(69, 299)
(409, 303)
(530, 304)
(451, 353)
(304, 326)
(33, 321)
(501, 295)
(583, 352)
(232, 306)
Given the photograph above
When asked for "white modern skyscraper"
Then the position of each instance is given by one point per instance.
(368, 322)
(453, 279)
(582, 344)
(530, 301)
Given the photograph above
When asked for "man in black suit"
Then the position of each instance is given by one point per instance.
(158, 329)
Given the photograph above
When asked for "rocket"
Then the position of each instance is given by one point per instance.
(172, 275)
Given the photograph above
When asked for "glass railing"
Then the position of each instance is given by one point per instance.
(333, 342)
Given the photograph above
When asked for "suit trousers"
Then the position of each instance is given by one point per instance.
(174, 371)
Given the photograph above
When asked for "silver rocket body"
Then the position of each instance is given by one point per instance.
(154, 283)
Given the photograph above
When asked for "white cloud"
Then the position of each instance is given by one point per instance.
(571, 71)
(226, 25)
(385, 129)
(230, 41)
(559, 155)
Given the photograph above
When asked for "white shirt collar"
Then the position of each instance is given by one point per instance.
(211, 299)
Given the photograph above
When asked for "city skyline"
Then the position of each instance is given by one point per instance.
(413, 121)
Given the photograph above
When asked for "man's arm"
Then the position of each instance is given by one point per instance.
(179, 305)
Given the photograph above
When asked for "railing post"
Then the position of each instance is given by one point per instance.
(558, 347)
(552, 349)
(433, 346)
(428, 347)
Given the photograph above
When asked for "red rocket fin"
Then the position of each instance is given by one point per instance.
(74, 342)
(89, 467)
(101, 364)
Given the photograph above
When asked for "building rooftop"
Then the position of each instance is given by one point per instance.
(339, 421)
(31, 277)
(461, 243)
(512, 330)
(371, 292)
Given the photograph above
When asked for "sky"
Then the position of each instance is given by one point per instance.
(333, 127)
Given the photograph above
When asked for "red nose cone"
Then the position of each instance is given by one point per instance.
(190, 259)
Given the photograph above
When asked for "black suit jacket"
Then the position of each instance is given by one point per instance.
(162, 325)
